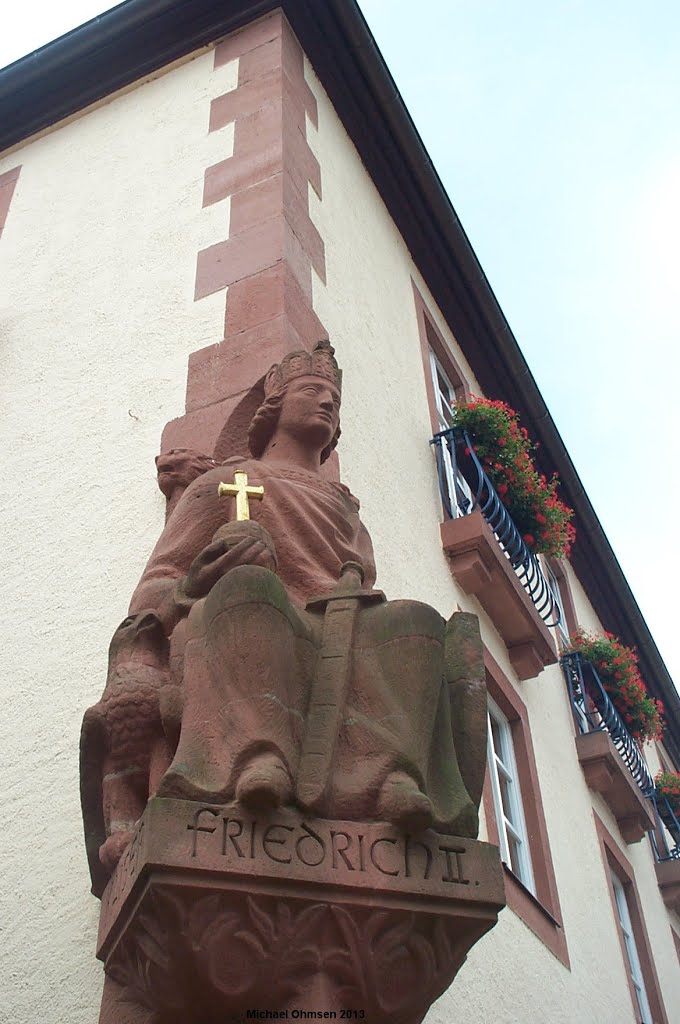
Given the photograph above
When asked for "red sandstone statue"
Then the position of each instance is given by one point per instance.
(123, 747)
(289, 680)
(266, 690)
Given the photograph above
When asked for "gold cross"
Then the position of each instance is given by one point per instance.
(242, 493)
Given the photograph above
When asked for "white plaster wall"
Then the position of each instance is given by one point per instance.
(585, 613)
(97, 318)
(368, 309)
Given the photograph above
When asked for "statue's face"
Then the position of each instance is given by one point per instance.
(310, 410)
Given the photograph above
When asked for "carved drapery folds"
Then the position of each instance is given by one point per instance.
(280, 783)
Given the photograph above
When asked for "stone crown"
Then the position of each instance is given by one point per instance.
(320, 362)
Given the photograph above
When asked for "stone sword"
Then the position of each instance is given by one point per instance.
(331, 683)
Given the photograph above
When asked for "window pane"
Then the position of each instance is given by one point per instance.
(507, 798)
(515, 857)
(634, 967)
(555, 586)
(495, 731)
(458, 491)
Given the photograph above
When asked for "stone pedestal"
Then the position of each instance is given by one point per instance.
(215, 914)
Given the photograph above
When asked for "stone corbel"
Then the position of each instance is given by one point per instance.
(668, 879)
(606, 773)
(481, 568)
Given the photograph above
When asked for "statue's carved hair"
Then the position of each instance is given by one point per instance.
(265, 420)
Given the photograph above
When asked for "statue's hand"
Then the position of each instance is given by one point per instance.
(236, 543)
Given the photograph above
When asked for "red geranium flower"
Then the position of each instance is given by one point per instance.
(616, 666)
(505, 451)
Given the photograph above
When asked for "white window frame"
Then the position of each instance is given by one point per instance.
(511, 822)
(445, 417)
(443, 403)
(634, 966)
(562, 627)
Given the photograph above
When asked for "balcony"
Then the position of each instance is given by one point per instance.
(489, 558)
(612, 762)
(666, 844)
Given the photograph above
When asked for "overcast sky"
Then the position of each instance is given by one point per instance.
(554, 127)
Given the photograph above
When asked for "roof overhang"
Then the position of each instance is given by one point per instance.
(138, 37)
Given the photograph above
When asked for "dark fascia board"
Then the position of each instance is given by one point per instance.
(141, 36)
(120, 46)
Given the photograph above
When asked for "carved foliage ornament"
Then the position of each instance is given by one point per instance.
(244, 951)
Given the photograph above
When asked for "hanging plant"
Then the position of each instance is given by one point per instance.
(667, 784)
(617, 667)
(505, 452)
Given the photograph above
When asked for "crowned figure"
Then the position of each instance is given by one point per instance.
(290, 680)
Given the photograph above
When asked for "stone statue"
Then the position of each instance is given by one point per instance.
(291, 682)
(259, 668)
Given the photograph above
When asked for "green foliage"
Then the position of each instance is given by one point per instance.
(505, 451)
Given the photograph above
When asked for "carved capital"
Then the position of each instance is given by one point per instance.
(214, 913)
(189, 955)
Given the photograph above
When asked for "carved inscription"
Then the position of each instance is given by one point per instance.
(308, 857)
(343, 850)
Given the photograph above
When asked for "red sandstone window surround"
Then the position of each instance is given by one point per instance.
(435, 350)
(557, 577)
(676, 942)
(635, 949)
(8, 182)
(533, 897)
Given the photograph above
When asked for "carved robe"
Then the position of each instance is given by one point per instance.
(314, 522)
(247, 656)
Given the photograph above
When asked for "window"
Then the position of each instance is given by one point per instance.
(451, 386)
(513, 810)
(555, 585)
(558, 578)
(445, 385)
(635, 950)
(444, 393)
(459, 493)
(634, 967)
(507, 798)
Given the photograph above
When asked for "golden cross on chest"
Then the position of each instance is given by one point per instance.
(242, 492)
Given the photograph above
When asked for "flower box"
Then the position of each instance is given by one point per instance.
(481, 569)
(606, 773)
(616, 668)
(505, 454)
(667, 788)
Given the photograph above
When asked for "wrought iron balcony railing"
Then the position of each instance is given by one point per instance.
(596, 713)
(666, 817)
(465, 487)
